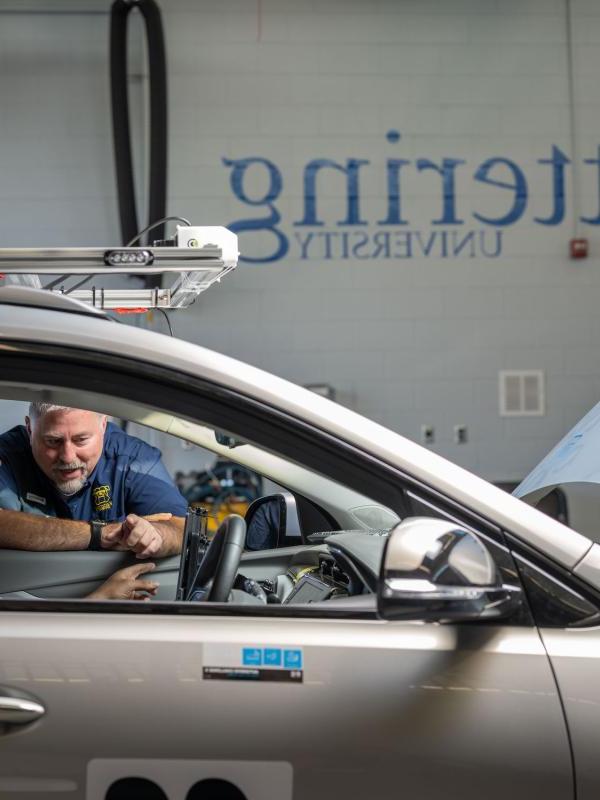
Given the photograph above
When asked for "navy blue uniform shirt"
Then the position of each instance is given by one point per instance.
(264, 527)
(129, 478)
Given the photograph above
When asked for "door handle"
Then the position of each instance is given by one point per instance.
(19, 710)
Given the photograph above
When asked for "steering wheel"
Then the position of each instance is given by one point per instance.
(216, 573)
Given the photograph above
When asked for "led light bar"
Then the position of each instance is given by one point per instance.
(112, 258)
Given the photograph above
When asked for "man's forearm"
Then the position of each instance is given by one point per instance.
(22, 531)
(172, 535)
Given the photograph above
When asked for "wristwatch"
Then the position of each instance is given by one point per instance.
(96, 526)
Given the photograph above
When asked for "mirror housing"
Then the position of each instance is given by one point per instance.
(272, 521)
(436, 571)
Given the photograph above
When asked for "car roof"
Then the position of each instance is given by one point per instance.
(35, 298)
(54, 326)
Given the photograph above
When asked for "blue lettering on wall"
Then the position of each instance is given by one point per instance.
(518, 186)
(393, 192)
(358, 250)
(459, 246)
(558, 161)
(311, 171)
(497, 237)
(399, 244)
(403, 244)
(504, 179)
(448, 191)
(426, 247)
(268, 223)
(593, 220)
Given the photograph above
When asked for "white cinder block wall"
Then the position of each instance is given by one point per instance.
(405, 292)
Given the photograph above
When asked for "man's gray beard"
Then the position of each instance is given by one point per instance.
(71, 487)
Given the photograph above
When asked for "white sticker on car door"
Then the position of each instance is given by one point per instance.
(187, 779)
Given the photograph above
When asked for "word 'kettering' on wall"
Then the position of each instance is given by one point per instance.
(503, 174)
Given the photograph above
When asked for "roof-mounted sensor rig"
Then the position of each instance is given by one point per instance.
(196, 258)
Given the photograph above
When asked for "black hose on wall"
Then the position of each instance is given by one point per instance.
(157, 200)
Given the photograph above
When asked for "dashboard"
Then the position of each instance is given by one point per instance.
(346, 564)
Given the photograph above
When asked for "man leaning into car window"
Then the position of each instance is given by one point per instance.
(69, 480)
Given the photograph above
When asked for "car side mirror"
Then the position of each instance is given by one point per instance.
(272, 521)
(436, 571)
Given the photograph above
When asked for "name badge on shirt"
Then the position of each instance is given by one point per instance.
(101, 498)
(35, 498)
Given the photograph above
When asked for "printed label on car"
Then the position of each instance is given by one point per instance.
(187, 779)
(253, 662)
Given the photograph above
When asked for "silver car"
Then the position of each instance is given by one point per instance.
(414, 631)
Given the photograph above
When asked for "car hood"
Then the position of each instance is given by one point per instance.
(575, 459)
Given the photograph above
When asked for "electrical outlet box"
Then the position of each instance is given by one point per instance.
(460, 434)
(427, 434)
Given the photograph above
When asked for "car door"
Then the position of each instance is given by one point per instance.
(566, 609)
(574, 657)
(370, 708)
(111, 700)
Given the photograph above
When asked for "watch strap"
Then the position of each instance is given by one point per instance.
(96, 526)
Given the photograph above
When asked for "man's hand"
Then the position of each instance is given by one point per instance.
(135, 533)
(126, 584)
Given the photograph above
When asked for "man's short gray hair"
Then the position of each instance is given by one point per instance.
(37, 410)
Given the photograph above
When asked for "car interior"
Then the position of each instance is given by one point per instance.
(304, 539)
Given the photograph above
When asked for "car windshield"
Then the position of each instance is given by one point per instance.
(570, 474)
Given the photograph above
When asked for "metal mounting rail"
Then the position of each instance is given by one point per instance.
(92, 260)
(197, 268)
